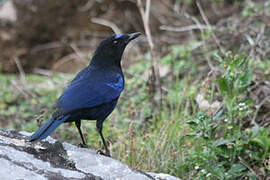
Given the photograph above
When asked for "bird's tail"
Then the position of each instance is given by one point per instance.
(46, 129)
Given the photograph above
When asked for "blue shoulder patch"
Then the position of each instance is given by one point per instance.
(117, 36)
(118, 84)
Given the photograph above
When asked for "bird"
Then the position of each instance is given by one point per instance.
(94, 92)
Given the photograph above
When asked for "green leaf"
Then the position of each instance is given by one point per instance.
(193, 122)
(244, 81)
(252, 176)
(223, 86)
(218, 115)
(236, 63)
(222, 142)
(255, 131)
(263, 140)
(218, 58)
(236, 170)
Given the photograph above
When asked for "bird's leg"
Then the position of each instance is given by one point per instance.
(99, 125)
(78, 125)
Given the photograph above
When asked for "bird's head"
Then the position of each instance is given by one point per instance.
(110, 50)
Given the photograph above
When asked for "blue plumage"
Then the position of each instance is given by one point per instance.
(87, 92)
(46, 129)
(94, 92)
(117, 36)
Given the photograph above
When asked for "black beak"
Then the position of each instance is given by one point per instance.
(133, 36)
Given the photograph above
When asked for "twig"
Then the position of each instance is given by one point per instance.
(65, 59)
(51, 45)
(43, 72)
(145, 17)
(79, 53)
(21, 85)
(21, 88)
(87, 6)
(250, 40)
(209, 26)
(249, 168)
(145, 14)
(213, 69)
(256, 42)
(20, 68)
(164, 89)
(267, 98)
(184, 28)
(260, 34)
(107, 23)
(15, 84)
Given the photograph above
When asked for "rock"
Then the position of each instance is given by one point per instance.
(51, 159)
(204, 105)
(162, 176)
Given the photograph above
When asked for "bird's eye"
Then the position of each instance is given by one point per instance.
(115, 42)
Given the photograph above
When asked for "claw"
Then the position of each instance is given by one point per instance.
(103, 154)
(82, 145)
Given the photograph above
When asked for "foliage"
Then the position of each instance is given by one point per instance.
(222, 148)
(252, 9)
(233, 84)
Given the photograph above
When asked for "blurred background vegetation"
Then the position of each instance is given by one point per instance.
(210, 118)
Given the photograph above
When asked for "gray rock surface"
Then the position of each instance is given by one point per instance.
(50, 159)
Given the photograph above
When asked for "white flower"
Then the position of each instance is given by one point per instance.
(203, 171)
(209, 174)
(197, 167)
(242, 104)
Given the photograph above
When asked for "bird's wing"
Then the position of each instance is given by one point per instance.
(90, 90)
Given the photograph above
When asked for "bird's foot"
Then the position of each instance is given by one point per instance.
(103, 154)
(82, 145)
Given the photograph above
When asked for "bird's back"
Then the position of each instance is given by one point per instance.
(93, 88)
